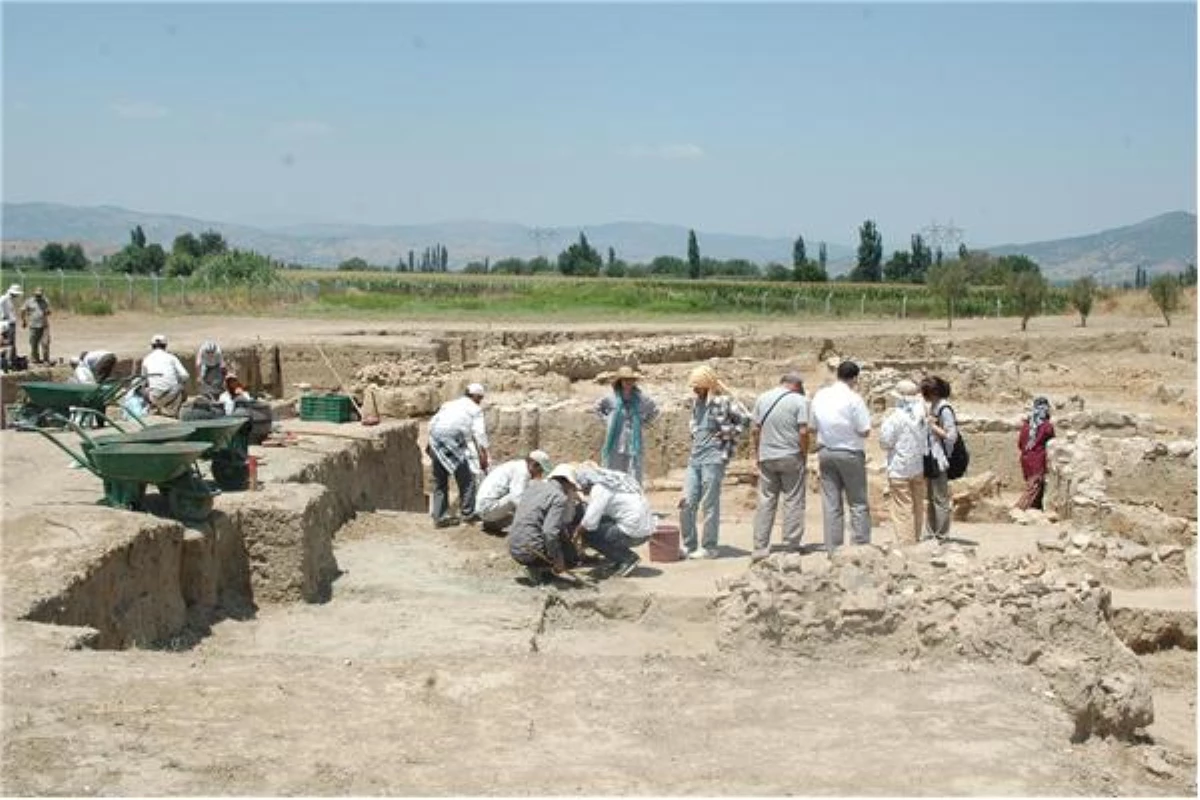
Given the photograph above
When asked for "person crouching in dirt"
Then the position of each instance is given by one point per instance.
(540, 536)
(625, 412)
(166, 377)
(93, 366)
(501, 490)
(211, 370)
(453, 427)
(234, 392)
(618, 516)
(1036, 432)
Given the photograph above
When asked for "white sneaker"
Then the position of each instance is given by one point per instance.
(700, 552)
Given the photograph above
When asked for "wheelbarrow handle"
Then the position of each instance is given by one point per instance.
(80, 460)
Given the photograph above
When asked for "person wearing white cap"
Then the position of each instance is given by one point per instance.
(456, 425)
(779, 432)
(540, 534)
(502, 488)
(8, 319)
(904, 437)
(166, 377)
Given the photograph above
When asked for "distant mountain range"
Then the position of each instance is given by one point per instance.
(1163, 243)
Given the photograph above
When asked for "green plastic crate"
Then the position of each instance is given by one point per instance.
(325, 407)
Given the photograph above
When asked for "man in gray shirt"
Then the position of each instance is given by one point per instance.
(540, 534)
(35, 315)
(780, 438)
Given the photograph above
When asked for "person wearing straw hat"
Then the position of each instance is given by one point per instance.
(540, 536)
(716, 423)
(904, 437)
(35, 315)
(501, 490)
(625, 412)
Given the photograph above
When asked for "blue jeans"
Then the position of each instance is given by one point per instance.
(611, 542)
(702, 495)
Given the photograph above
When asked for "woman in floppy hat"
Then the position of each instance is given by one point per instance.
(625, 412)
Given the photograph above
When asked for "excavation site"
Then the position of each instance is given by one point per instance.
(316, 634)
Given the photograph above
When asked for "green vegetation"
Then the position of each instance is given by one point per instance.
(1081, 296)
(1164, 291)
(1028, 293)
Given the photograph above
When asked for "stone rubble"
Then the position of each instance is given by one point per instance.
(938, 601)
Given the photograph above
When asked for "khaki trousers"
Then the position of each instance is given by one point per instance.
(908, 508)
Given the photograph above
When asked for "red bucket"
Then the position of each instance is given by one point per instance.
(664, 543)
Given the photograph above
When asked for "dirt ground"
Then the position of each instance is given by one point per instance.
(433, 671)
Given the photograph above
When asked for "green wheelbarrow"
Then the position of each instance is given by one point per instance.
(228, 440)
(127, 467)
(49, 402)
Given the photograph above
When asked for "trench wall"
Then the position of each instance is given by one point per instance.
(162, 580)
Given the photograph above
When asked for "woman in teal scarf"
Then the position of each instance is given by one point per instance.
(626, 411)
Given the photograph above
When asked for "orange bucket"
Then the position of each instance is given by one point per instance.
(664, 543)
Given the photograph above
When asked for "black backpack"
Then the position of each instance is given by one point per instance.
(959, 457)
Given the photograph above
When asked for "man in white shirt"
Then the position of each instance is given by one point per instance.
(501, 490)
(618, 516)
(8, 323)
(780, 436)
(165, 376)
(842, 423)
(456, 424)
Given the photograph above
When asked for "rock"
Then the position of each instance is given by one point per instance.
(1054, 544)
(1181, 448)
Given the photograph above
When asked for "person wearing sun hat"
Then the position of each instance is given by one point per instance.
(904, 437)
(501, 490)
(453, 429)
(625, 411)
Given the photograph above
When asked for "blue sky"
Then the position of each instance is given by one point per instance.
(1019, 122)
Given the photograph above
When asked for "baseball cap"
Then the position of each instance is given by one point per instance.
(15, 289)
(158, 339)
(475, 390)
(566, 472)
(905, 388)
(542, 459)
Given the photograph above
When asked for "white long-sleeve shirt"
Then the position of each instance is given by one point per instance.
(905, 438)
(164, 371)
(505, 483)
(630, 510)
(462, 415)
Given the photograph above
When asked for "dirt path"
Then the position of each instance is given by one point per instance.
(419, 677)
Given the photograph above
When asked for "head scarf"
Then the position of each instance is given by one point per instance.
(588, 476)
(209, 355)
(625, 412)
(705, 377)
(1039, 414)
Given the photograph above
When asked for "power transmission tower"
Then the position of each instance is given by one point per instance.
(946, 237)
(540, 235)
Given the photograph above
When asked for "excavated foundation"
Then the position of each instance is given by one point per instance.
(150, 581)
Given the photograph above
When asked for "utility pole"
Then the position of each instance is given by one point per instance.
(540, 235)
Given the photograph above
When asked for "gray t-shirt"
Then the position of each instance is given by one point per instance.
(779, 436)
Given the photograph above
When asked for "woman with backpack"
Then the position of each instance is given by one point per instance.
(943, 433)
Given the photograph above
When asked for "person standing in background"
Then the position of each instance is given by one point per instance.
(904, 437)
(35, 315)
(780, 436)
(625, 411)
(1036, 432)
(843, 423)
(943, 433)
